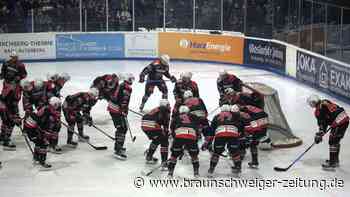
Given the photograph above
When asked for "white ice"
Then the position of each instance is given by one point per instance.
(86, 172)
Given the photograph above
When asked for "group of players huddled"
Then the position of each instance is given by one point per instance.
(240, 124)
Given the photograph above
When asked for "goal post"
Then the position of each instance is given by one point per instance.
(278, 130)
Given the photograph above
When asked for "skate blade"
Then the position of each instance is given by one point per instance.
(9, 149)
(329, 169)
(71, 146)
(120, 157)
(253, 167)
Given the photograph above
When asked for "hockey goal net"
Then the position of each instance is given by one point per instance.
(278, 128)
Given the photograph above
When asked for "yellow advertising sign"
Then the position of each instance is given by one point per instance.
(203, 47)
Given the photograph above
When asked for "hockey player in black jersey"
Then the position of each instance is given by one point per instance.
(155, 72)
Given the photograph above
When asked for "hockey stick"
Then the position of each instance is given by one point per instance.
(26, 140)
(133, 138)
(279, 169)
(155, 168)
(135, 112)
(76, 133)
(100, 130)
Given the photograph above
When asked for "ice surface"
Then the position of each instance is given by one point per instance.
(86, 172)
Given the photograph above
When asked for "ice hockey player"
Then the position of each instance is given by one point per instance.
(155, 72)
(72, 108)
(255, 128)
(105, 84)
(37, 126)
(227, 80)
(34, 95)
(228, 128)
(55, 83)
(183, 84)
(12, 72)
(184, 130)
(232, 97)
(329, 114)
(118, 107)
(155, 124)
(198, 108)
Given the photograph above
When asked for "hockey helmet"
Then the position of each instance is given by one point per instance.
(184, 109)
(313, 100)
(38, 83)
(55, 102)
(235, 108)
(26, 85)
(64, 76)
(165, 59)
(52, 76)
(94, 92)
(225, 108)
(188, 94)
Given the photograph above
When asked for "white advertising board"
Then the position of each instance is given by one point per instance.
(141, 44)
(28, 46)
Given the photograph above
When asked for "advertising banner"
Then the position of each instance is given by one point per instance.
(259, 52)
(89, 46)
(323, 74)
(141, 44)
(28, 46)
(202, 47)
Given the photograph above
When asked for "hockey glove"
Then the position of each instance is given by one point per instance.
(142, 80)
(17, 120)
(173, 79)
(88, 120)
(318, 137)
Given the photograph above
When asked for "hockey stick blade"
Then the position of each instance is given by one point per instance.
(278, 169)
(100, 147)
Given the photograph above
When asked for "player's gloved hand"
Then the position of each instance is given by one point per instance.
(89, 121)
(17, 120)
(318, 137)
(142, 79)
(173, 79)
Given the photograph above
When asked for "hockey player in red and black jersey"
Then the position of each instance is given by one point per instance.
(184, 129)
(155, 72)
(105, 84)
(76, 109)
(256, 121)
(197, 108)
(36, 96)
(155, 124)
(329, 114)
(232, 97)
(12, 72)
(227, 80)
(118, 107)
(55, 83)
(227, 128)
(38, 125)
(182, 85)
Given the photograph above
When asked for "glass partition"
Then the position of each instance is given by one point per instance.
(148, 14)
(208, 14)
(179, 14)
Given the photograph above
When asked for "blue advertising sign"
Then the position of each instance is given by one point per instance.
(259, 52)
(323, 74)
(89, 46)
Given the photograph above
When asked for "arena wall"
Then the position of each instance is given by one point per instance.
(320, 72)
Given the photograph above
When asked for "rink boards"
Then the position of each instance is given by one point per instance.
(320, 72)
